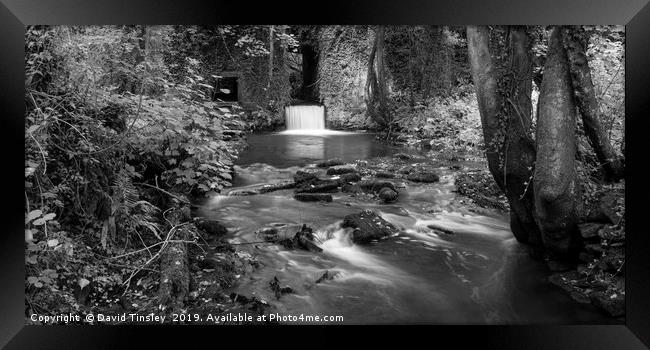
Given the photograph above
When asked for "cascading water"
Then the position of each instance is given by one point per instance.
(305, 117)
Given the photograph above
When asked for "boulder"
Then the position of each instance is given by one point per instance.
(267, 233)
(343, 169)
(318, 186)
(424, 176)
(375, 185)
(330, 162)
(385, 174)
(252, 303)
(211, 227)
(351, 188)
(388, 195)
(368, 226)
(613, 304)
(302, 176)
(327, 276)
(303, 239)
(313, 197)
(277, 290)
(563, 280)
(349, 177)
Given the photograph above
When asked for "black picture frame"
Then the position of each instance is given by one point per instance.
(635, 14)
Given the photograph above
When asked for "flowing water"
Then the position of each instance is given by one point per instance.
(478, 275)
(305, 117)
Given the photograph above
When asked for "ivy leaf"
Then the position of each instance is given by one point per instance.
(31, 259)
(29, 171)
(39, 222)
(83, 282)
(33, 215)
(32, 129)
(52, 243)
(29, 235)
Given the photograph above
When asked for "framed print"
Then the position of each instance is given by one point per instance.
(437, 169)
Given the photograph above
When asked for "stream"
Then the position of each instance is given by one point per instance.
(478, 275)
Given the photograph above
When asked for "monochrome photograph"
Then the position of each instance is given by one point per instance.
(324, 174)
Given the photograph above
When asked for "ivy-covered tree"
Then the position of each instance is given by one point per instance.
(505, 107)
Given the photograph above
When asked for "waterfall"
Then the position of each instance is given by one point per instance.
(305, 117)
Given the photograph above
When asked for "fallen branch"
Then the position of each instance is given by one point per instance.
(164, 244)
(174, 261)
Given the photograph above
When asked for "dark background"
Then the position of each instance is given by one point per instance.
(15, 14)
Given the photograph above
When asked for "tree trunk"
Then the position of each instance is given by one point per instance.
(381, 75)
(509, 149)
(375, 81)
(371, 80)
(485, 82)
(519, 146)
(575, 43)
(555, 173)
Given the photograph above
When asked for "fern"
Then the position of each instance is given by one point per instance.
(134, 216)
(125, 195)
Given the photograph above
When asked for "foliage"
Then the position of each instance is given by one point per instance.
(343, 58)
(606, 54)
(110, 115)
(451, 122)
(426, 61)
(244, 51)
(422, 62)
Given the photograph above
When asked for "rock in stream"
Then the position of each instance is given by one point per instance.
(368, 226)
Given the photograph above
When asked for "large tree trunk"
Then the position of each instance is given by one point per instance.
(509, 149)
(576, 42)
(519, 146)
(381, 74)
(485, 82)
(555, 173)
